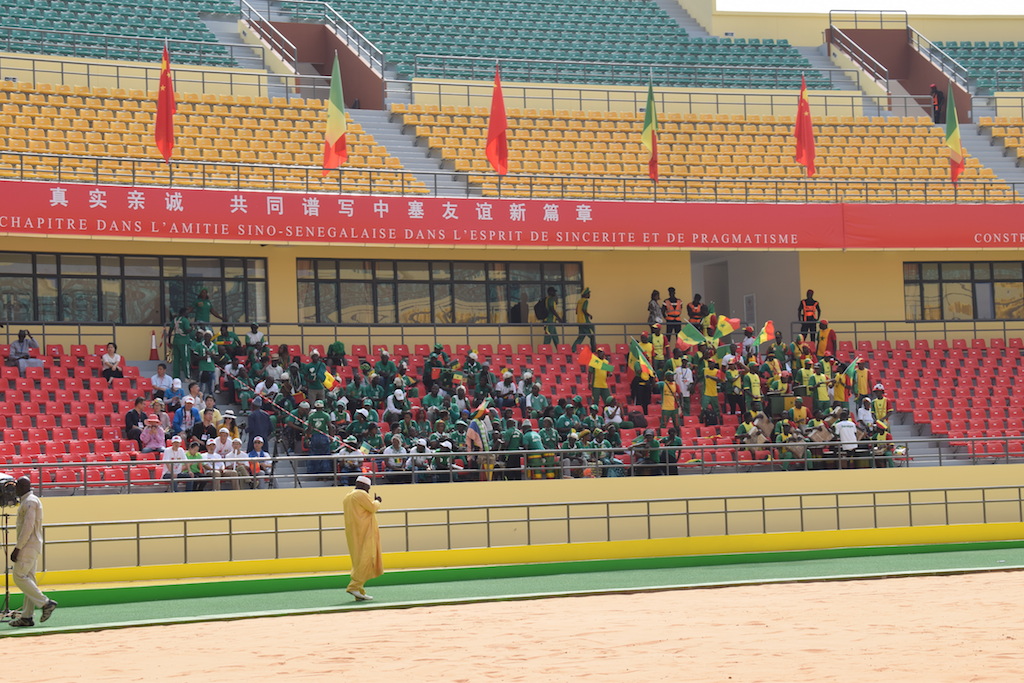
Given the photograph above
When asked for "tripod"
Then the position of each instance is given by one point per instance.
(6, 613)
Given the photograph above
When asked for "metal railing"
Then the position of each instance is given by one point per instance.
(295, 470)
(852, 18)
(181, 540)
(117, 47)
(872, 330)
(841, 103)
(283, 47)
(70, 168)
(860, 56)
(322, 12)
(937, 56)
(146, 77)
(625, 73)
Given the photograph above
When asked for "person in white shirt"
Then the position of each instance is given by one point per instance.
(846, 430)
(216, 468)
(274, 372)
(865, 416)
(222, 444)
(419, 459)
(612, 412)
(267, 387)
(112, 363)
(460, 399)
(506, 391)
(684, 381)
(394, 460)
(259, 462)
(175, 465)
(526, 383)
(161, 381)
(395, 406)
(28, 545)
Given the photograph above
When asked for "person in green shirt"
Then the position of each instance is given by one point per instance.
(436, 363)
(372, 440)
(670, 445)
(202, 309)
(779, 349)
(550, 329)
(336, 353)
(179, 331)
(194, 468)
(531, 441)
(568, 422)
(551, 440)
(535, 403)
(313, 375)
(206, 352)
(433, 402)
(385, 367)
(228, 344)
(360, 423)
(458, 436)
(295, 426)
(318, 436)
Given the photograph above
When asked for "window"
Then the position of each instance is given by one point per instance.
(429, 292)
(127, 290)
(962, 290)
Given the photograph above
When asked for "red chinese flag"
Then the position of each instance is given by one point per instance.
(497, 129)
(165, 109)
(804, 131)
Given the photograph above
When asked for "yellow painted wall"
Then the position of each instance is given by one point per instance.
(620, 282)
(807, 29)
(414, 517)
(553, 97)
(106, 73)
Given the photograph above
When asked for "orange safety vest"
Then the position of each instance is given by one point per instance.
(693, 313)
(810, 310)
(673, 310)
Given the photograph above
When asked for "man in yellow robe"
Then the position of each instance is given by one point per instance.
(363, 537)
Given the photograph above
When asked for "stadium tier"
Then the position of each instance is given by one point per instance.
(606, 41)
(130, 30)
(65, 413)
(701, 152)
(1005, 131)
(103, 131)
(995, 65)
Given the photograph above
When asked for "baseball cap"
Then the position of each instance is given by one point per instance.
(175, 439)
(318, 403)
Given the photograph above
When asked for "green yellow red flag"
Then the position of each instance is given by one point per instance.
(335, 146)
(767, 333)
(649, 136)
(956, 148)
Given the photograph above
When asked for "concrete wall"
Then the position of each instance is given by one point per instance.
(421, 518)
(773, 280)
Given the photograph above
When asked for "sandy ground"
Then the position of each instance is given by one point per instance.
(955, 628)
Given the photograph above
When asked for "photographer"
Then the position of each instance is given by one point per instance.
(26, 552)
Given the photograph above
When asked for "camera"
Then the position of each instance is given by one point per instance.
(8, 494)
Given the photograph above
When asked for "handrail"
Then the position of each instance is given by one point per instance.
(869, 18)
(766, 513)
(860, 56)
(426, 65)
(142, 172)
(870, 330)
(350, 35)
(144, 48)
(269, 33)
(938, 57)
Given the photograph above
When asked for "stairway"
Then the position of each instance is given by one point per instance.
(923, 453)
(414, 158)
(991, 153)
(683, 18)
(248, 57)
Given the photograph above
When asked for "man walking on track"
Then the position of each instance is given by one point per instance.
(363, 537)
(27, 548)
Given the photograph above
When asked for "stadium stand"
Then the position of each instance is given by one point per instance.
(101, 133)
(700, 151)
(554, 37)
(995, 65)
(1005, 131)
(130, 30)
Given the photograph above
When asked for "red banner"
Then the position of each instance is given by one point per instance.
(36, 208)
(54, 209)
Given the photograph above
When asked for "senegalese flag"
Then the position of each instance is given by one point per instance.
(691, 336)
(584, 355)
(165, 109)
(851, 369)
(364, 449)
(709, 320)
(726, 326)
(458, 378)
(723, 351)
(649, 136)
(329, 380)
(642, 366)
(956, 148)
(600, 364)
(335, 147)
(481, 409)
(767, 333)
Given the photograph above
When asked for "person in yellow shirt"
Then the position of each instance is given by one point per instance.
(818, 387)
(363, 537)
(798, 414)
(657, 348)
(669, 400)
(709, 382)
(598, 377)
(585, 321)
(862, 381)
(751, 388)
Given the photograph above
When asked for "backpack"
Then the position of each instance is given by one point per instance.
(638, 419)
(709, 417)
(540, 309)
